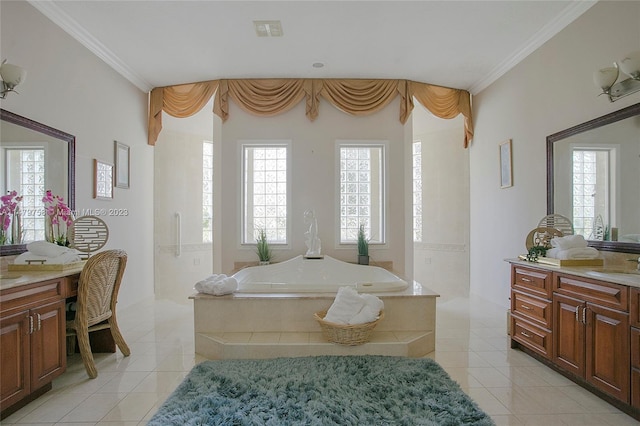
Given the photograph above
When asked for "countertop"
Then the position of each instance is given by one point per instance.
(615, 274)
(11, 279)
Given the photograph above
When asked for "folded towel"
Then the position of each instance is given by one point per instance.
(218, 285)
(574, 253)
(346, 304)
(366, 314)
(45, 248)
(568, 242)
(68, 257)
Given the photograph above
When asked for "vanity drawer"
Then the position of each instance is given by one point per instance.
(599, 292)
(532, 337)
(532, 281)
(535, 309)
(634, 318)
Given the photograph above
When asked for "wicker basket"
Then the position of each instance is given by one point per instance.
(351, 335)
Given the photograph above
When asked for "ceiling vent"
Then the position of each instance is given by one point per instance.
(268, 28)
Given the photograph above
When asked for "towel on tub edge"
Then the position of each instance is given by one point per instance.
(217, 284)
(350, 307)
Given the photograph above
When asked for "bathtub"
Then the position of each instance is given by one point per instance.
(300, 275)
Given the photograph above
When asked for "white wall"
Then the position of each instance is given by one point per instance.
(441, 260)
(314, 177)
(549, 91)
(69, 88)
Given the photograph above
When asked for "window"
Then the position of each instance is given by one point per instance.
(207, 191)
(591, 191)
(361, 191)
(25, 173)
(265, 191)
(417, 190)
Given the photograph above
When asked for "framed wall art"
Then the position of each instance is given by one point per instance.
(506, 170)
(122, 165)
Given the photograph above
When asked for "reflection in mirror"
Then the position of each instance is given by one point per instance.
(34, 158)
(593, 177)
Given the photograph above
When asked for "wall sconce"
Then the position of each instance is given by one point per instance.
(12, 75)
(606, 78)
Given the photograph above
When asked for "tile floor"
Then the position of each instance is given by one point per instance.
(471, 345)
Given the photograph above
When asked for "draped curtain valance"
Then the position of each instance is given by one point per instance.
(268, 97)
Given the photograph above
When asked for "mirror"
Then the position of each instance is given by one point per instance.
(53, 169)
(593, 178)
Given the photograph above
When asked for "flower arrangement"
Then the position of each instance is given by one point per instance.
(58, 218)
(262, 247)
(10, 210)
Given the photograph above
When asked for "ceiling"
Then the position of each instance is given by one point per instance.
(459, 44)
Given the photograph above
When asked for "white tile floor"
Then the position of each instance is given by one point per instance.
(471, 345)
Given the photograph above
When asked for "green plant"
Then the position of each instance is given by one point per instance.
(535, 252)
(262, 245)
(363, 243)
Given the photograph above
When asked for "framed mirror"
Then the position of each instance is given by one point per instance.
(593, 178)
(35, 158)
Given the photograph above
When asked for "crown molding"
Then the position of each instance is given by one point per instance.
(77, 31)
(568, 15)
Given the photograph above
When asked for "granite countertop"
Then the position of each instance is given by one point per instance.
(11, 279)
(627, 275)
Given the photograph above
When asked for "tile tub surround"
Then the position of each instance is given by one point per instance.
(272, 325)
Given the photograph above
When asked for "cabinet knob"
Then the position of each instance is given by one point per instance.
(525, 307)
(525, 335)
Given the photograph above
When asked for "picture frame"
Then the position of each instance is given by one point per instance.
(506, 168)
(122, 161)
(102, 180)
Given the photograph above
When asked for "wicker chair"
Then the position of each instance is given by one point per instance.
(96, 306)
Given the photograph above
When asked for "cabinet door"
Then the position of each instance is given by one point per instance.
(635, 367)
(568, 334)
(607, 350)
(14, 358)
(48, 354)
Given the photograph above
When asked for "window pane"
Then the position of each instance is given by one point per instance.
(361, 192)
(265, 193)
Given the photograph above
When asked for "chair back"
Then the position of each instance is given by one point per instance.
(557, 221)
(98, 287)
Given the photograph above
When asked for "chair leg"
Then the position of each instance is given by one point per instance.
(85, 352)
(71, 345)
(117, 337)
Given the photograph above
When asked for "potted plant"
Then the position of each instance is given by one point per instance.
(363, 247)
(262, 248)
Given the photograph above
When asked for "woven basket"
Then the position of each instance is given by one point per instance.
(351, 335)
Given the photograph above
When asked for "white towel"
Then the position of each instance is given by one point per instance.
(568, 242)
(345, 306)
(349, 307)
(45, 248)
(217, 284)
(68, 257)
(574, 253)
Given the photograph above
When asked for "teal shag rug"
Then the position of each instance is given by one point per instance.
(322, 390)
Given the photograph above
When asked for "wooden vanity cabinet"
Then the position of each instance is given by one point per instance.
(531, 313)
(591, 332)
(635, 347)
(32, 338)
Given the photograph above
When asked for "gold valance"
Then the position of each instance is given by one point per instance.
(268, 97)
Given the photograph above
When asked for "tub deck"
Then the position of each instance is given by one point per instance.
(245, 325)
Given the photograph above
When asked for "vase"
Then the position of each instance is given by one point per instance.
(16, 226)
(264, 262)
(363, 260)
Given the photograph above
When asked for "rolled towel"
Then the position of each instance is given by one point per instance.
(374, 302)
(45, 248)
(574, 253)
(68, 257)
(218, 287)
(568, 242)
(345, 306)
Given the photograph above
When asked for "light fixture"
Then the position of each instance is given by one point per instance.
(606, 78)
(12, 75)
